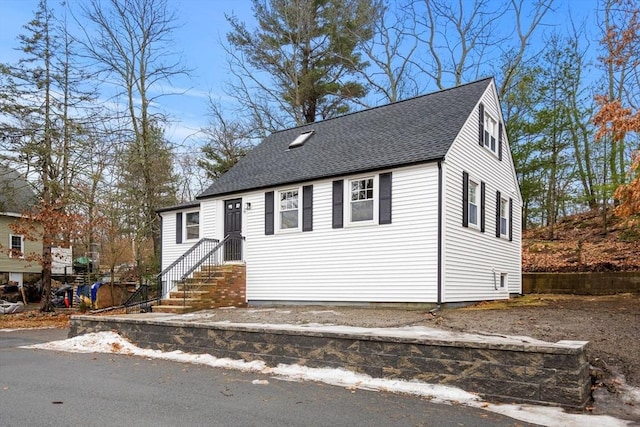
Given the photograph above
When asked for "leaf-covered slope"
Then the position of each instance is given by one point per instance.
(582, 243)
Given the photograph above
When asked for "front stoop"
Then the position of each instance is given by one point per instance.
(211, 287)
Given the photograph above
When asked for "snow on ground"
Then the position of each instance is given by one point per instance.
(110, 342)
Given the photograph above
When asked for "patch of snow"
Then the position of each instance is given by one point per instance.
(325, 312)
(110, 342)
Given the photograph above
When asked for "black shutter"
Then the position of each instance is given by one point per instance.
(384, 212)
(481, 124)
(338, 209)
(510, 219)
(498, 213)
(482, 208)
(500, 141)
(465, 199)
(268, 212)
(179, 227)
(307, 208)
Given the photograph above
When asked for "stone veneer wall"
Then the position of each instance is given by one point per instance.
(551, 374)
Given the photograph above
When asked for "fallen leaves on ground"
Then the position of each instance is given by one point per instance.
(33, 318)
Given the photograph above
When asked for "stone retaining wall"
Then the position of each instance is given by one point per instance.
(538, 373)
(608, 283)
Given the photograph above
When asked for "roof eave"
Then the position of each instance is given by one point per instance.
(354, 172)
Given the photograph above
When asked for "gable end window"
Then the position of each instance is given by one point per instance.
(361, 199)
(473, 202)
(288, 209)
(490, 133)
(16, 244)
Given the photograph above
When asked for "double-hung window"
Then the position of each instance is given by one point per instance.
(490, 133)
(192, 225)
(504, 217)
(16, 244)
(289, 209)
(361, 200)
(474, 202)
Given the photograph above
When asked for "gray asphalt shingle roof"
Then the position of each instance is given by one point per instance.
(416, 130)
(16, 195)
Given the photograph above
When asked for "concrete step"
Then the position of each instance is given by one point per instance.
(179, 301)
(197, 286)
(172, 309)
(191, 293)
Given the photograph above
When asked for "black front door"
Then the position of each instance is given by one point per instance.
(233, 230)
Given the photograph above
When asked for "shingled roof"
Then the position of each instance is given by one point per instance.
(16, 195)
(416, 130)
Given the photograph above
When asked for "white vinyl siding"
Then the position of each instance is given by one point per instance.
(476, 262)
(374, 263)
(172, 250)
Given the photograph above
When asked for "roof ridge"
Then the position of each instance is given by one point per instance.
(381, 106)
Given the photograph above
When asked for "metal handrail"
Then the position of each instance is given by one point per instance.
(205, 251)
(172, 275)
(231, 238)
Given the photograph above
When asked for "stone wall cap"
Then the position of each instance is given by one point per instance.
(407, 334)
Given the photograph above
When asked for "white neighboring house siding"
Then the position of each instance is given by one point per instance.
(374, 263)
(473, 259)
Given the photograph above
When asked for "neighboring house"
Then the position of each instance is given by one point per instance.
(16, 196)
(411, 202)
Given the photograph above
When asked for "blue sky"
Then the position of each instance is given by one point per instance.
(203, 26)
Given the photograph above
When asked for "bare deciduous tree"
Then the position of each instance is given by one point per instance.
(132, 46)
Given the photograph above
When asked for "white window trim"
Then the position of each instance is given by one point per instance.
(279, 228)
(347, 199)
(21, 256)
(503, 285)
(477, 202)
(504, 235)
(489, 119)
(184, 226)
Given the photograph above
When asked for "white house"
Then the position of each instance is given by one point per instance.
(411, 202)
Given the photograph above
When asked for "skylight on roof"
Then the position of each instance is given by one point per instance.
(301, 139)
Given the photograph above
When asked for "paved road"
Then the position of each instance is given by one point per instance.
(46, 388)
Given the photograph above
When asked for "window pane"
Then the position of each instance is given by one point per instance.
(289, 219)
(503, 226)
(362, 211)
(16, 243)
(193, 232)
(193, 218)
(473, 214)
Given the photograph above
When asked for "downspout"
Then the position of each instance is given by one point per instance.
(439, 257)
